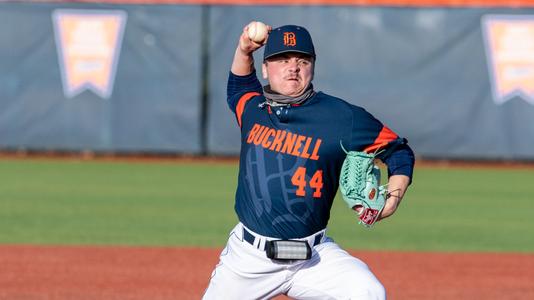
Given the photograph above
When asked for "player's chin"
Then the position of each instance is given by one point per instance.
(293, 89)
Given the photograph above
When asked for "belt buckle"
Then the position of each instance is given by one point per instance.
(288, 250)
(251, 238)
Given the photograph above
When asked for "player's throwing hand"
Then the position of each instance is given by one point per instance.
(254, 36)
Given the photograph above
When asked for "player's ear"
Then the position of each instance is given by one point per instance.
(313, 70)
(264, 70)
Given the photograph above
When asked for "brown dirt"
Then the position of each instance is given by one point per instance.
(104, 273)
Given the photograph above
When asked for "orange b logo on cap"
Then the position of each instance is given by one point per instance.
(290, 39)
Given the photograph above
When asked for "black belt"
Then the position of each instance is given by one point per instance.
(250, 238)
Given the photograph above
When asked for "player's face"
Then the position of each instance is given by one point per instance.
(289, 73)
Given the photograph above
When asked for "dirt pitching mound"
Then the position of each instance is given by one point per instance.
(105, 273)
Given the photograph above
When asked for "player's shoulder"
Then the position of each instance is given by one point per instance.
(246, 95)
(336, 103)
(242, 100)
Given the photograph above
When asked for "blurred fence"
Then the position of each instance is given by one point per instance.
(457, 81)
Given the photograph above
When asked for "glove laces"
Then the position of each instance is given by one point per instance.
(353, 169)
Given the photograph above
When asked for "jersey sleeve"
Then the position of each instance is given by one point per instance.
(239, 85)
(240, 90)
(372, 136)
(400, 161)
(369, 134)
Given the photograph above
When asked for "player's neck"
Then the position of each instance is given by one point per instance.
(276, 99)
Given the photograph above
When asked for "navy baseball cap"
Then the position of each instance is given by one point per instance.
(289, 38)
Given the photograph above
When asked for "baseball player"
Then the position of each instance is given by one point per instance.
(289, 170)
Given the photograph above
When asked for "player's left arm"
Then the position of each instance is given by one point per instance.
(372, 136)
(400, 163)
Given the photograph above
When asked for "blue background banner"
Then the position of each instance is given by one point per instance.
(423, 71)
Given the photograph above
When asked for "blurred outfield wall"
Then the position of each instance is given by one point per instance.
(456, 80)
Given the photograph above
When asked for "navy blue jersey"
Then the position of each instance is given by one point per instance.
(291, 157)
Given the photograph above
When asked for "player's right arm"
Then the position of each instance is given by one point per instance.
(243, 63)
(242, 78)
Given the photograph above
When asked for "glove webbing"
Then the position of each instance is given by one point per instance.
(355, 169)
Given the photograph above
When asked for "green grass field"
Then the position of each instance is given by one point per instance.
(64, 202)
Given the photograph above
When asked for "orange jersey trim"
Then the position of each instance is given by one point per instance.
(240, 107)
(384, 137)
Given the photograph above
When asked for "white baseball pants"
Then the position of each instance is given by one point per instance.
(245, 272)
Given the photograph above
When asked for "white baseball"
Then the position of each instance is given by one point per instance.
(257, 32)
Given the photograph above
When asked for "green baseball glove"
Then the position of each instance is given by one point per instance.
(360, 186)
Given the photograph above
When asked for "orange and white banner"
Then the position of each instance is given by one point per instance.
(510, 52)
(88, 44)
